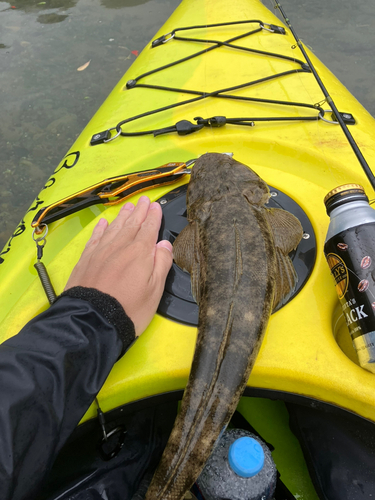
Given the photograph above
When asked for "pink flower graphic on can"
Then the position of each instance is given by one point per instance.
(342, 246)
(363, 285)
(366, 262)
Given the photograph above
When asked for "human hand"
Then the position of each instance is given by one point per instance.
(124, 260)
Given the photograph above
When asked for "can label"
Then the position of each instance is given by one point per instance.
(351, 257)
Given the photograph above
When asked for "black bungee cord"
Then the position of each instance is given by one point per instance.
(184, 127)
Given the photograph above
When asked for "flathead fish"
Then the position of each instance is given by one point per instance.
(236, 251)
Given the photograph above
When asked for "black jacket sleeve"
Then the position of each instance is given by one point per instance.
(50, 373)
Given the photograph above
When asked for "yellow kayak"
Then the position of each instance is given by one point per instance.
(247, 91)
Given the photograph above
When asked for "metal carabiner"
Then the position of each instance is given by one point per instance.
(39, 230)
(40, 240)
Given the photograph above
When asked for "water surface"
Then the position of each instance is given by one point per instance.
(45, 102)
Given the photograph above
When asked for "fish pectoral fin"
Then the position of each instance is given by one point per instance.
(287, 233)
(286, 278)
(286, 228)
(183, 248)
(185, 254)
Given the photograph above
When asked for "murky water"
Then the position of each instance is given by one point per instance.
(342, 34)
(45, 102)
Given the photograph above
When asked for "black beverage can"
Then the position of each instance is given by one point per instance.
(350, 252)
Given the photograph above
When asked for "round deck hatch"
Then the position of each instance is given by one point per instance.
(177, 302)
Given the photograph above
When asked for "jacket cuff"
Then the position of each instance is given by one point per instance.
(111, 309)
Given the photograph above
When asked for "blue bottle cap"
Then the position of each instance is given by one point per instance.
(246, 457)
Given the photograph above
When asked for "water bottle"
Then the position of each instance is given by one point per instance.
(350, 252)
(240, 468)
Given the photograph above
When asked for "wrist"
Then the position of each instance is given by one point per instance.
(111, 309)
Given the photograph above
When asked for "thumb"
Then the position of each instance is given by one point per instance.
(163, 260)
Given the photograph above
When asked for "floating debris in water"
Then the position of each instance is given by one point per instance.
(84, 66)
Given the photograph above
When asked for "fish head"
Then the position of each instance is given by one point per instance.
(217, 176)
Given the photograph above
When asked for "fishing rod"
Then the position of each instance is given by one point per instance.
(329, 100)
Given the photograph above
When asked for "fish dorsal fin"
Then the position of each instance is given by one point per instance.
(287, 233)
(185, 255)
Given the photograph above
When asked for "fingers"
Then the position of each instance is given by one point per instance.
(96, 236)
(119, 222)
(140, 213)
(89, 249)
(145, 219)
(166, 244)
(163, 261)
(149, 230)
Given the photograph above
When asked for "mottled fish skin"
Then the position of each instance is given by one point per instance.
(229, 249)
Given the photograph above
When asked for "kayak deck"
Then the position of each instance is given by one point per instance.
(303, 159)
